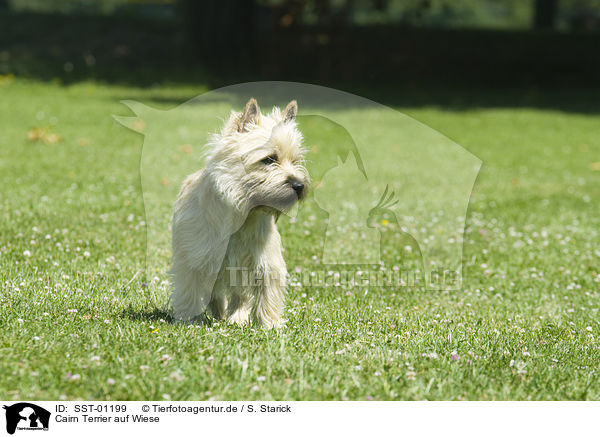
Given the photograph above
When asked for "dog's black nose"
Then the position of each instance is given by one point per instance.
(298, 187)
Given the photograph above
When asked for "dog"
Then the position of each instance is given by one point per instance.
(227, 255)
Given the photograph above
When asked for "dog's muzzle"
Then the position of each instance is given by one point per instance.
(298, 187)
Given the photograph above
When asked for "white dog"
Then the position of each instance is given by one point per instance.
(227, 255)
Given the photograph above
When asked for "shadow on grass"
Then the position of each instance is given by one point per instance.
(162, 314)
(154, 314)
(452, 98)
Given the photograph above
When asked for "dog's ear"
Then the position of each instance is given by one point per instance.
(251, 115)
(290, 111)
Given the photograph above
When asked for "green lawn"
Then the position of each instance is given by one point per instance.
(80, 320)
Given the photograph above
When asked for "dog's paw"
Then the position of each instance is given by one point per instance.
(273, 324)
(241, 318)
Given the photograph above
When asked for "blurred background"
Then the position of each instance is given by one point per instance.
(349, 44)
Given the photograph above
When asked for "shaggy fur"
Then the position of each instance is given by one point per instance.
(227, 255)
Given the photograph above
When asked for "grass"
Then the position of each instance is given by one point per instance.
(80, 321)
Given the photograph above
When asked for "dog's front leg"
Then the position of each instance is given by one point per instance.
(269, 303)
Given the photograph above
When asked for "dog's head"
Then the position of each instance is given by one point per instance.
(258, 160)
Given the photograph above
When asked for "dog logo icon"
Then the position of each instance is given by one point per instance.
(26, 416)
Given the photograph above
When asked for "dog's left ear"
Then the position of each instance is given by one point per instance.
(290, 111)
(251, 115)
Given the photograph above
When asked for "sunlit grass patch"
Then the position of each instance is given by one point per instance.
(81, 320)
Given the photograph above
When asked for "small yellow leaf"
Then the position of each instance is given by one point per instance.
(52, 138)
(139, 125)
(6, 79)
(186, 148)
(35, 134)
(43, 134)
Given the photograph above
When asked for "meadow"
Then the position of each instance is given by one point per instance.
(81, 319)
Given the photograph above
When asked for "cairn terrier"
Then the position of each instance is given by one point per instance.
(227, 254)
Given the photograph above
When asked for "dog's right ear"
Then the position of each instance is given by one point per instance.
(290, 111)
(251, 115)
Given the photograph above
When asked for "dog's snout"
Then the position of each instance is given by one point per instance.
(298, 187)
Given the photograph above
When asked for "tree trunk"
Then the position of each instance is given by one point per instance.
(544, 14)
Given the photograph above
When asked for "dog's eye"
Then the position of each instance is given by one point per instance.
(269, 160)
